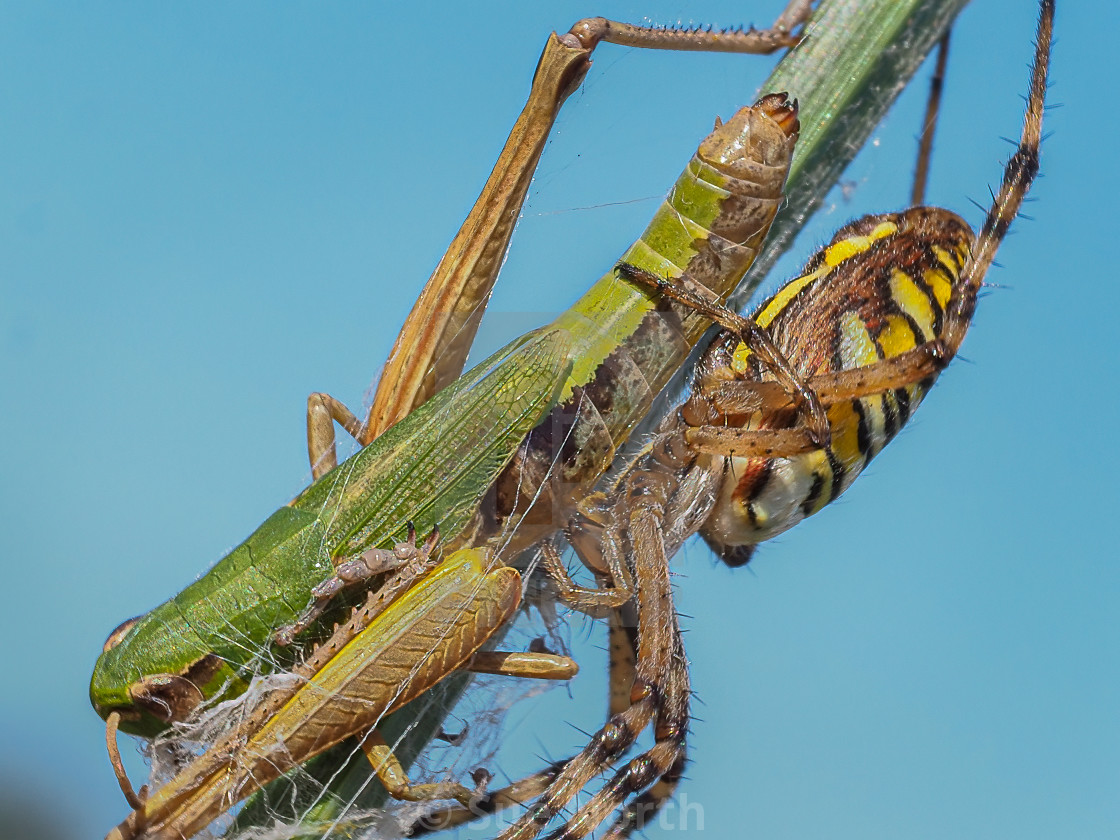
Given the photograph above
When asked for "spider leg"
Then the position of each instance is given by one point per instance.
(1018, 175)
(894, 373)
(518, 793)
(661, 682)
(907, 368)
(622, 645)
(752, 335)
(659, 693)
(623, 657)
(593, 601)
(638, 814)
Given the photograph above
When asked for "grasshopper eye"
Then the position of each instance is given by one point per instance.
(118, 633)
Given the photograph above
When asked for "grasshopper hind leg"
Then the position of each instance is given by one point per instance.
(323, 411)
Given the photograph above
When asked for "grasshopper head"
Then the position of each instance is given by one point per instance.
(133, 675)
(211, 638)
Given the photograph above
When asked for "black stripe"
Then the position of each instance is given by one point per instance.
(863, 433)
(891, 424)
(902, 398)
(934, 264)
(814, 494)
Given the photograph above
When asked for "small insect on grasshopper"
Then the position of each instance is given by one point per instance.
(870, 324)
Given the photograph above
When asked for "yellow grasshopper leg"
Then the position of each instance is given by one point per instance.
(372, 666)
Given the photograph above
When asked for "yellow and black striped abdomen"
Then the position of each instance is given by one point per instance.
(879, 289)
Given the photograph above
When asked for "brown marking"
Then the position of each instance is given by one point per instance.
(172, 697)
(116, 636)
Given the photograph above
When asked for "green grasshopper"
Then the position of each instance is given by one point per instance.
(597, 368)
(743, 163)
(284, 530)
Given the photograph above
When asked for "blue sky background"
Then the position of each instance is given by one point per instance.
(208, 211)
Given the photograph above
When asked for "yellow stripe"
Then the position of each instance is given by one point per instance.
(847, 248)
(844, 421)
(875, 419)
(897, 337)
(834, 254)
(787, 293)
(940, 285)
(912, 300)
(824, 470)
(739, 358)
(949, 260)
(964, 251)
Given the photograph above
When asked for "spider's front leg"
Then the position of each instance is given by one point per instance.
(649, 683)
(658, 692)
